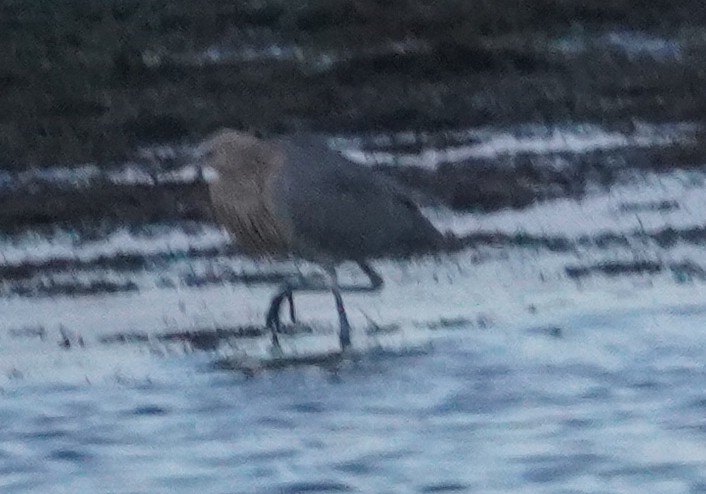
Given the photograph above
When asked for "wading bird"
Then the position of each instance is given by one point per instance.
(295, 197)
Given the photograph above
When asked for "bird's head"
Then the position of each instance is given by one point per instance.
(235, 153)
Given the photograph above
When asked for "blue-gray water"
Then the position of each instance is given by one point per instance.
(614, 403)
(565, 354)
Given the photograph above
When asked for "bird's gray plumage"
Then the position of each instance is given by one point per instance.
(342, 210)
(295, 196)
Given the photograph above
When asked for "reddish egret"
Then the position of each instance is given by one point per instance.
(296, 197)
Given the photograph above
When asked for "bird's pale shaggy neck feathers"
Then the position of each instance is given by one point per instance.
(243, 195)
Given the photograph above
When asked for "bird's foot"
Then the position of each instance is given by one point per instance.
(344, 334)
(276, 350)
(276, 347)
(345, 339)
(273, 320)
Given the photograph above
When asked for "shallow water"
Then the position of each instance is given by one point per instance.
(490, 370)
(613, 405)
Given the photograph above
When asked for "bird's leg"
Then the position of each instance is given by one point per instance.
(290, 297)
(344, 334)
(273, 319)
(292, 312)
(287, 290)
(376, 281)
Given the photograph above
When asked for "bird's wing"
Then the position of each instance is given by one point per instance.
(343, 210)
